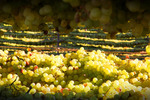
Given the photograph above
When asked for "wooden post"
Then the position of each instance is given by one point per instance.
(57, 42)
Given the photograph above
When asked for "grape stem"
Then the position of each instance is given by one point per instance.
(13, 81)
(105, 98)
(29, 89)
(58, 42)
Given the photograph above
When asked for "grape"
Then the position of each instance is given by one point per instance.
(58, 96)
(64, 68)
(32, 84)
(74, 3)
(86, 89)
(106, 11)
(95, 14)
(145, 77)
(32, 91)
(45, 10)
(73, 24)
(38, 95)
(96, 2)
(26, 97)
(1, 83)
(88, 23)
(125, 95)
(38, 85)
(63, 83)
(59, 87)
(7, 8)
(47, 90)
(88, 6)
(105, 88)
(148, 49)
(116, 97)
(137, 30)
(133, 6)
(63, 23)
(9, 76)
(45, 74)
(95, 80)
(35, 2)
(104, 19)
(49, 97)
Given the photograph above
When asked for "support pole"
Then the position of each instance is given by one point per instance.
(58, 42)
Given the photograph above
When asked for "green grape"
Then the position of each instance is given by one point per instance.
(59, 87)
(95, 80)
(133, 6)
(73, 62)
(137, 30)
(95, 14)
(32, 85)
(7, 8)
(104, 19)
(106, 11)
(49, 96)
(125, 95)
(45, 75)
(105, 88)
(46, 79)
(25, 97)
(145, 77)
(32, 91)
(47, 90)
(88, 6)
(63, 83)
(71, 86)
(9, 76)
(30, 17)
(74, 3)
(73, 24)
(56, 82)
(117, 97)
(86, 89)
(63, 23)
(58, 96)
(31, 73)
(37, 95)
(38, 85)
(64, 68)
(45, 10)
(147, 49)
(96, 2)
(93, 98)
(26, 11)
(51, 86)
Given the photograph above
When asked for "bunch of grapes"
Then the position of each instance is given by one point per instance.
(76, 75)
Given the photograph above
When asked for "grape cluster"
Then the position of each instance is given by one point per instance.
(76, 75)
(111, 16)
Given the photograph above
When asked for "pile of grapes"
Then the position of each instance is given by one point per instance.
(112, 16)
(74, 76)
